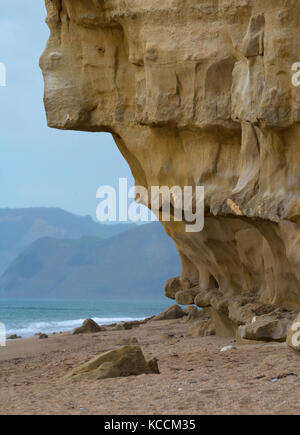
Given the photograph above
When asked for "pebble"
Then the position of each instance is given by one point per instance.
(226, 348)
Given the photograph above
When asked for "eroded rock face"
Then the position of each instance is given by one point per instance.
(196, 92)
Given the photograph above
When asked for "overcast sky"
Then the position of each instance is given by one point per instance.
(41, 166)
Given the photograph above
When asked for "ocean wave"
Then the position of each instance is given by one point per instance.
(63, 325)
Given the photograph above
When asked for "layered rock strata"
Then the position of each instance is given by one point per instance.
(197, 93)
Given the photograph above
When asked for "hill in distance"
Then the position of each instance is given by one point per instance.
(135, 263)
(21, 227)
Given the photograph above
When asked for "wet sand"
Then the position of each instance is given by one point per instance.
(196, 378)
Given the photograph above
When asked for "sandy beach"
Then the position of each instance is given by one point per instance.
(195, 376)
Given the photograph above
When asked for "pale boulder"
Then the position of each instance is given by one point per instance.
(265, 328)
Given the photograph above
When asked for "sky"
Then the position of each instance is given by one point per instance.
(39, 166)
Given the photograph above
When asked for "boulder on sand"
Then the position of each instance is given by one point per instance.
(173, 312)
(193, 313)
(125, 361)
(293, 337)
(265, 328)
(125, 326)
(201, 328)
(88, 327)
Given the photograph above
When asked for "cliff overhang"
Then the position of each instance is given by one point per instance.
(197, 93)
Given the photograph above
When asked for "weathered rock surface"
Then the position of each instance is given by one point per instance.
(293, 337)
(89, 326)
(196, 92)
(125, 361)
(171, 313)
(193, 313)
(190, 309)
(202, 328)
(265, 328)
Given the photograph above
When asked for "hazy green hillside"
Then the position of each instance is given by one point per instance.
(21, 227)
(135, 263)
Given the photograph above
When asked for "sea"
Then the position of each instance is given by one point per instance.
(27, 317)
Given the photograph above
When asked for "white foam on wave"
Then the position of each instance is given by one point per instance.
(64, 325)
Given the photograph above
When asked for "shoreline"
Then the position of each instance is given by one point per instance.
(28, 317)
(69, 331)
(195, 376)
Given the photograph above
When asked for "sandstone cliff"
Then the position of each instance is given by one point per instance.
(197, 92)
